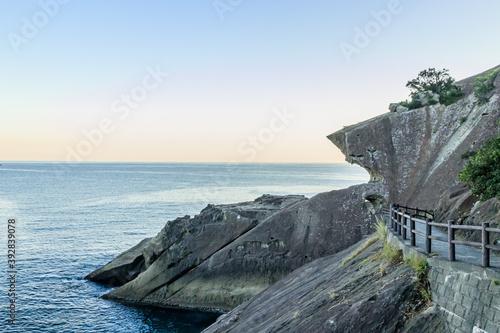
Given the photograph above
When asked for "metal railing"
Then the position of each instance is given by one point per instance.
(403, 220)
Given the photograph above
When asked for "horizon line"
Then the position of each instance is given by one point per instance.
(165, 162)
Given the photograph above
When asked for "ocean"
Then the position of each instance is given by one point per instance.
(70, 219)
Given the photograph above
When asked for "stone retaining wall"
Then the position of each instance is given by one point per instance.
(468, 295)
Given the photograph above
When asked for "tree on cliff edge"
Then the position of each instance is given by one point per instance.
(431, 87)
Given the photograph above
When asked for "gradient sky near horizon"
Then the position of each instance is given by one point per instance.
(67, 68)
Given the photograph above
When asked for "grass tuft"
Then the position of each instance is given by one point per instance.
(381, 229)
(334, 295)
(360, 249)
(495, 283)
(421, 266)
(390, 253)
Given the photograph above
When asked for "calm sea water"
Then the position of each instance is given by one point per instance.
(72, 219)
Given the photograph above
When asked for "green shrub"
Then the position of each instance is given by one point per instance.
(468, 154)
(482, 172)
(463, 120)
(483, 86)
(437, 82)
(451, 96)
(412, 104)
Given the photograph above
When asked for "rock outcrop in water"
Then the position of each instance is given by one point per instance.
(229, 253)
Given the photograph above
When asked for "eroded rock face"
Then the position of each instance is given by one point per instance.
(460, 205)
(416, 155)
(225, 274)
(324, 296)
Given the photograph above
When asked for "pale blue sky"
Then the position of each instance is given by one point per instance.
(226, 78)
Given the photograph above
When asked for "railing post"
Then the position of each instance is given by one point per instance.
(451, 238)
(396, 210)
(404, 224)
(485, 243)
(413, 240)
(391, 216)
(428, 232)
(399, 222)
(396, 219)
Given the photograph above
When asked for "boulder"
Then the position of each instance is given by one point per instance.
(393, 107)
(397, 107)
(401, 108)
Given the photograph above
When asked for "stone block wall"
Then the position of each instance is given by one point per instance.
(469, 295)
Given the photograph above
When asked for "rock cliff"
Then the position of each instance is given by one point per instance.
(228, 254)
(416, 155)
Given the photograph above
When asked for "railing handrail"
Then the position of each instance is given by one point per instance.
(402, 221)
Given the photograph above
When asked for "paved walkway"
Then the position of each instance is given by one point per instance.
(463, 253)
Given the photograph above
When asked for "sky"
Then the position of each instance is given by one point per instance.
(219, 81)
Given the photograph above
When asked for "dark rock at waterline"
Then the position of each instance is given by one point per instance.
(124, 268)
